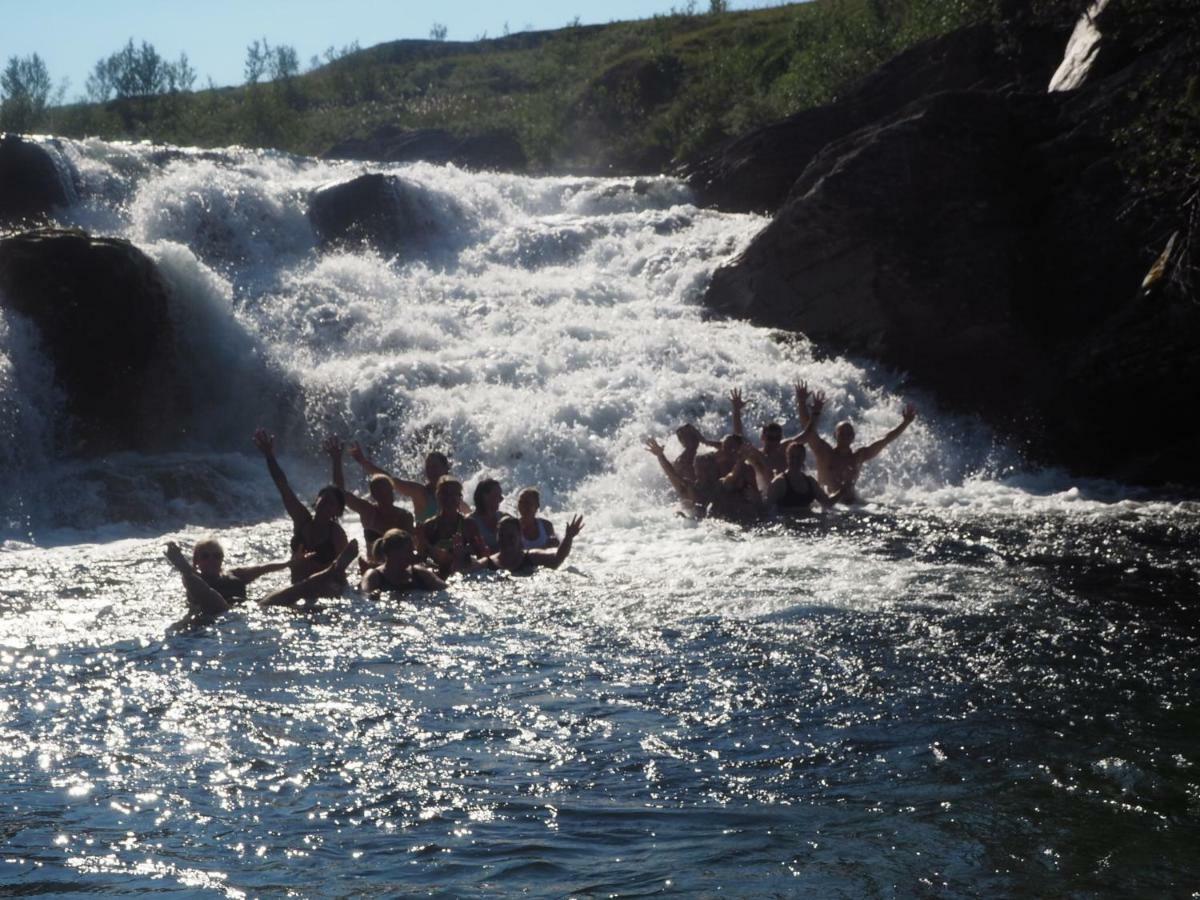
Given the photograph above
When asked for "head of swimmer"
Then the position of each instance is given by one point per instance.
(688, 435)
(707, 469)
(331, 503)
(449, 494)
(772, 436)
(529, 501)
(487, 497)
(508, 535)
(395, 548)
(207, 557)
(381, 490)
(796, 456)
(436, 465)
(843, 434)
(731, 445)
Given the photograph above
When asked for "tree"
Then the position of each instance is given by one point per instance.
(258, 56)
(438, 32)
(25, 87)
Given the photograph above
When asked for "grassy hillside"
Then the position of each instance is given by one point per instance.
(628, 96)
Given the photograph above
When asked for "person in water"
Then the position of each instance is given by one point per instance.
(839, 465)
(513, 557)
(423, 496)
(379, 513)
(793, 489)
(774, 444)
(488, 496)
(452, 540)
(733, 495)
(398, 570)
(317, 538)
(205, 600)
(536, 534)
(207, 558)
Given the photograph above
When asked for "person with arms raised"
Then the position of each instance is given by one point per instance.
(317, 538)
(839, 465)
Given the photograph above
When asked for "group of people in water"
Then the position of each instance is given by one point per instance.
(734, 479)
(740, 481)
(404, 550)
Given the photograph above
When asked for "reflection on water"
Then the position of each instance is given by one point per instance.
(987, 713)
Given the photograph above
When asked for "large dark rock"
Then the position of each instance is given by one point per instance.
(30, 183)
(987, 244)
(382, 211)
(100, 306)
(494, 151)
(755, 172)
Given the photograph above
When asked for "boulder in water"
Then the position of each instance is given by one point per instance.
(375, 209)
(100, 306)
(30, 183)
(493, 151)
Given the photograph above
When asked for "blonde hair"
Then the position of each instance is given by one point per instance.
(211, 545)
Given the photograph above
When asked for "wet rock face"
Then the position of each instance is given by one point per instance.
(985, 243)
(30, 185)
(497, 151)
(100, 306)
(379, 210)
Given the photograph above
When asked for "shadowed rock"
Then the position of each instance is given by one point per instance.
(30, 184)
(382, 211)
(100, 307)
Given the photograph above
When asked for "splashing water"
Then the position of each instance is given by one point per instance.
(982, 682)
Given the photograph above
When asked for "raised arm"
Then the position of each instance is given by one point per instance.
(333, 446)
(809, 419)
(413, 490)
(735, 400)
(873, 450)
(682, 488)
(556, 558)
(265, 442)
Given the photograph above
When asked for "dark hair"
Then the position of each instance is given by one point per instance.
(482, 490)
(773, 428)
(332, 490)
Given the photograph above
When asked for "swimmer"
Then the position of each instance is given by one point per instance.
(690, 437)
(329, 581)
(774, 444)
(397, 571)
(379, 514)
(513, 557)
(207, 557)
(734, 495)
(423, 496)
(452, 540)
(793, 489)
(202, 599)
(838, 466)
(317, 538)
(488, 496)
(536, 534)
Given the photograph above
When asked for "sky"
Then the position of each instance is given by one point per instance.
(71, 35)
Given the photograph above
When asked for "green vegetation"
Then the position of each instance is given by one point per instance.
(631, 95)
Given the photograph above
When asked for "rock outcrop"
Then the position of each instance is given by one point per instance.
(985, 242)
(100, 306)
(30, 184)
(755, 172)
(495, 151)
(382, 211)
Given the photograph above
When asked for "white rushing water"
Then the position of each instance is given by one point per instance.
(944, 688)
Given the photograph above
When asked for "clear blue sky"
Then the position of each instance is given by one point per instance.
(70, 35)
